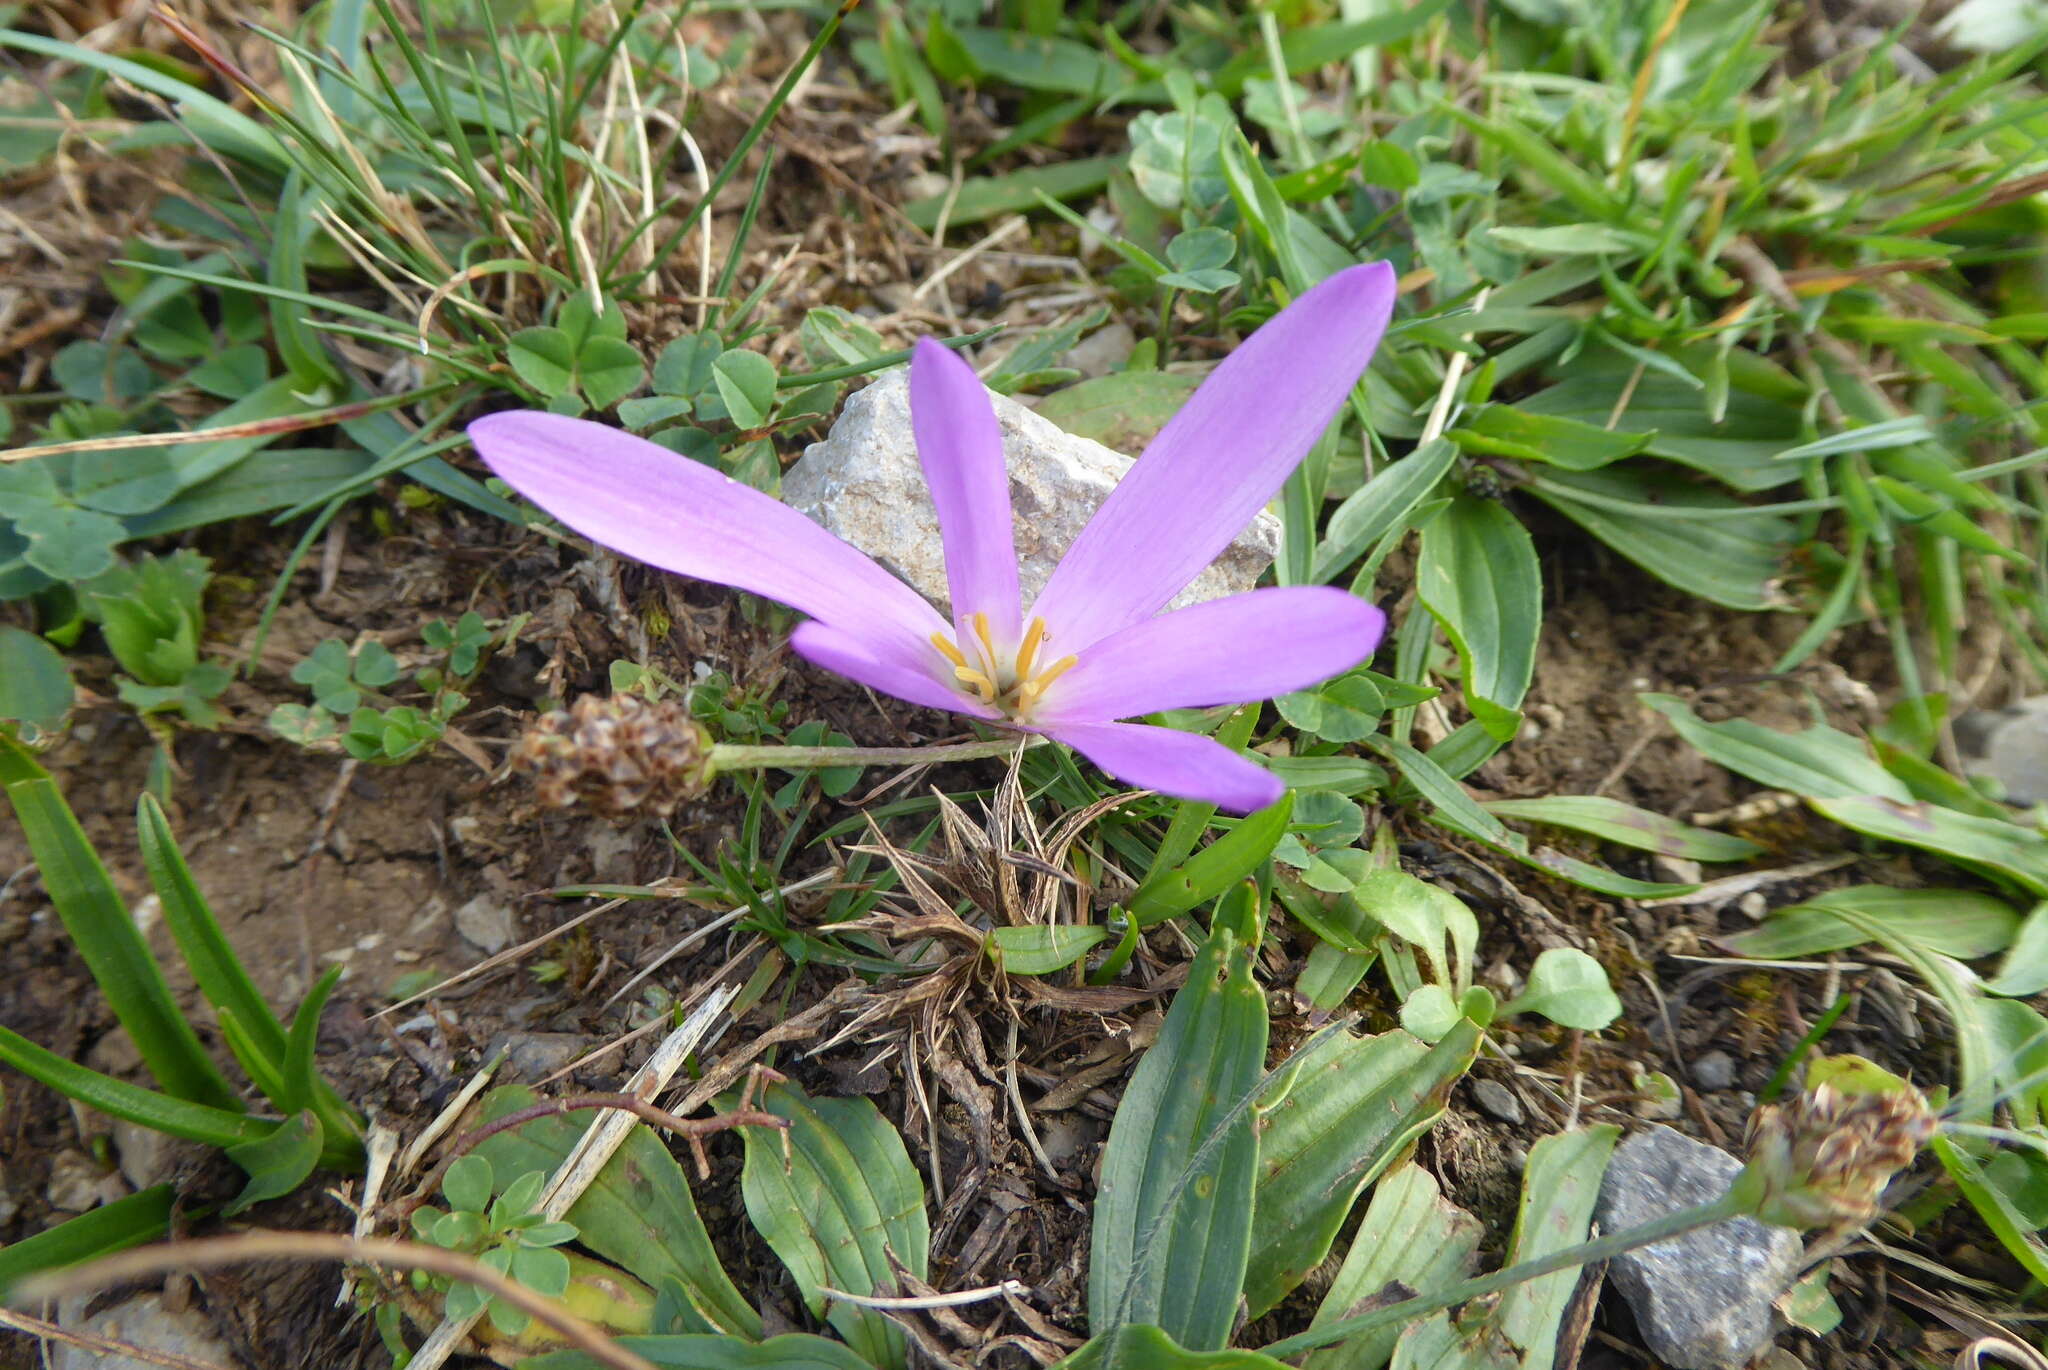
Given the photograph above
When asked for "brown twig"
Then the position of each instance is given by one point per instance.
(209, 1253)
(105, 1346)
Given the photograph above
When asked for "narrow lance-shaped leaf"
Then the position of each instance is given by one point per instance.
(97, 920)
(1172, 1228)
(1478, 575)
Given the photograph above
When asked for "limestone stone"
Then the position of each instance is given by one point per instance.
(864, 484)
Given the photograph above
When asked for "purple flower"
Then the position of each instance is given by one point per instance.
(1095, 647)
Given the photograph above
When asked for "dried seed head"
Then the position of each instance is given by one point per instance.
(1823, 1160)
(619, 757)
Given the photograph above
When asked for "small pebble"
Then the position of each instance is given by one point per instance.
(1715, 1070)
(1498, 1100)
(1677, 869)
(1753, 906)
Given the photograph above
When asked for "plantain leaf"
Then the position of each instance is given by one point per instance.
(1213, 869)
(1135, 1346)
(1559, 1187)
(1477, 574)
(846, 1201)
(1627, 826)
(1330, 1122)
(1173, 1215)
(1040, 950)
(685, 1351)
(1964, 924)
(639, 1214)
(1410, 1236)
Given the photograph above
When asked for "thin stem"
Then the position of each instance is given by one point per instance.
(728, 756)
(1730, 1205)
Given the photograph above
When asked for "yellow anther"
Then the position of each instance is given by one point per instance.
(988, 646)
(1033, 689)
(1033, 635)
(948, 650)
(976, 681)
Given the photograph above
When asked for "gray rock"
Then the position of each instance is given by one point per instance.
(141, 1322)
(485, 922)
(1715, 1070)
(536, 1055)
(864, 484)
(77, 1183)
(2011, 747)
(146, 1156)
(1497, 1099)
(1702, 1301)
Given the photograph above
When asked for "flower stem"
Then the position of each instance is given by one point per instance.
(1730, 1205)
(729, 756)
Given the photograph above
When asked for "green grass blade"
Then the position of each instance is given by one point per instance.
(139, 1218)
(98, 922)
(159, 1112)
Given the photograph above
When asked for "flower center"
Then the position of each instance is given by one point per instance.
(1013, 683)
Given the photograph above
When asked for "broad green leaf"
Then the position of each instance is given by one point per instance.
(1136, 1347)
(746, 382)
(97, 920)
(1173, 1211)
(1341, 710)
(684, 367)
(1965, 924)
(2014, 1232)
(1330, 1122)
(281, 480)
(984, 197)
(1424, 916)
(1041, 950)
(68, 543)
(1410, 1235)
(843, 1204)
(1453, 808)
(639, 1214)
(1818, 763)
(1213, 869)
(1731, 558)
(1570, 989)
(686, 1351)
(1559, 1187)
(2019, 854)
(140, 1217)
(1032, 62)
(1628, 826)
(1121, 411)
(1433, 1344)
(279, 1163)
(1477, 574)
(1739, 446)
(35, 684)
(1571, 240)
(2025, 969)
(1505, 431)
(1379, 507)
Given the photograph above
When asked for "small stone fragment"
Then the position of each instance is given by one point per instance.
(1715, 1070)
(146, 1156)
(534, 1056)
(1498, 1100)
(77, 1184)
(143, 1322)
(485, 922)
(864, 483)
(2009, 746)
(1678, 870)
(1702, 1301)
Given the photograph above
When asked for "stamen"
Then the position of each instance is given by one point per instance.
(1033, 635)
(988, 646)
(977, 681)
(1031, 690)
(948, 650)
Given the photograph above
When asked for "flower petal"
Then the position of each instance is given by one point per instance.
(1184, 765)
(1226, 651)
(1219, 459)
(961, 449)
(656, 506)
(844, 654)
